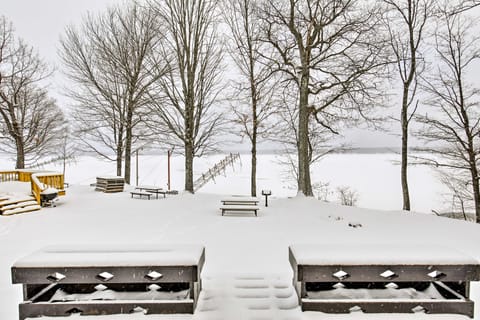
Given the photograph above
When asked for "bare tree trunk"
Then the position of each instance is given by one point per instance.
(253, 174)
(404, 156)
(20, 153)
(476, 189)
(128, 145)
(189, 153)
(304, 182)
(119, 160)
(254, 98)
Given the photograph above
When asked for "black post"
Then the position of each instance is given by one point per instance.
(266, 193)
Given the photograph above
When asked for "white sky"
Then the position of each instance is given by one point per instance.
(41, 22)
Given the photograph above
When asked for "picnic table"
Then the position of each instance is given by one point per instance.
(152, 189)
(95, 280)
(240, 204)
(341, 278)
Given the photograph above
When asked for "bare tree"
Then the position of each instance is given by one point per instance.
(460, 6)
(286, 133)
(29, 119)
(347, 196)
(329, 50)
(406, 21)
(254, 91)
(192, 85)
(112, 62)
(452, 126)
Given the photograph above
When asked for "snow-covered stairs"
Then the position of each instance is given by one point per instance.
(14, 204)
(246, 297)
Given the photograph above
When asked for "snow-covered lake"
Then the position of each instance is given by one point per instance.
(239, 249)
(375, 177)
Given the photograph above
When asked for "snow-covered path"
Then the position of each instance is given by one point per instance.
(248, 297)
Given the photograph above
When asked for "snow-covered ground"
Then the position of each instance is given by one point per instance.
(247, 273)
(375, 177)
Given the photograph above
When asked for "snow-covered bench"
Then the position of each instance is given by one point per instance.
(239, 209)
(240, 204)
(338, 278)
(59, 281)
(240, 200)
(141, 194)
(152, 189)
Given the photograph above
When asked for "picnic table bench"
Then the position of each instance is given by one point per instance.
(92, 280)
(239, 209)
(383, 279)
(240, 201)
(141, 194)
(152, 189)
(240, 204)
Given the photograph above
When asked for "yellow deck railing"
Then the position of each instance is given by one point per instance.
(8, 176)
(39, 180)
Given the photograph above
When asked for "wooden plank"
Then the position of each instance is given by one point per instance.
(390, 306)
(14, 200)
(141, 194)
(30, 208)
(403, 273)
(78, 275)
(30, 310)
(18, 205)
(240, 209)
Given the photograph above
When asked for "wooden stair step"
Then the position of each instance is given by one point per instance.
(22, 210)
(18, 205)
(14, 200)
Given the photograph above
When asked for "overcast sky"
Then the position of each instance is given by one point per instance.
(41, 22)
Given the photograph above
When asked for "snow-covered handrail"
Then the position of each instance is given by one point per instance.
(39, 180)
(43, 180)
(215, 171)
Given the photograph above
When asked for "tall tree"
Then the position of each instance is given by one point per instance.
(452, 125)
(320, 139)
(112, 61)
(330, 51)
(29, 119)
(254, 89)
(192, 84)
(406, 21)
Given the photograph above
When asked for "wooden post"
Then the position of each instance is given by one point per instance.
(136, 166)
(169, 153)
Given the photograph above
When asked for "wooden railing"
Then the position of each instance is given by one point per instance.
(25, 175)
(38, 181)
(8, 176)
(215, 170)
(43, 180)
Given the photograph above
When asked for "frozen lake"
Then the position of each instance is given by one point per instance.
(375, 177)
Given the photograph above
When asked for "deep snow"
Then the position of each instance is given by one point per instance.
(247, 274)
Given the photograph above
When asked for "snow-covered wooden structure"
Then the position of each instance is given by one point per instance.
(110, 184)
(383, 279)
(39, 182)
(92, 280)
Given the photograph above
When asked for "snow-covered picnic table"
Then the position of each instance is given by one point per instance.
(340, 278)
(107, 280)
